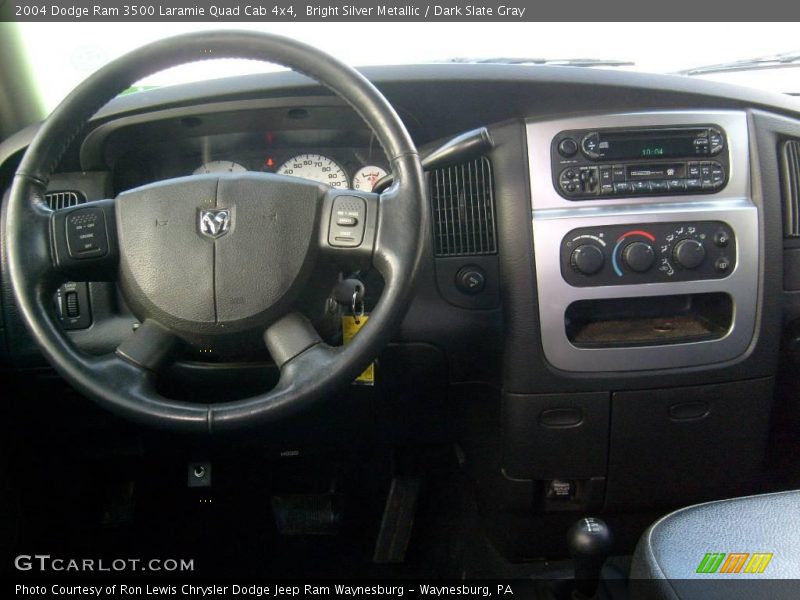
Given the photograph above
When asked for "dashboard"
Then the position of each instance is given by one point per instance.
(607, 287)
(660, 156)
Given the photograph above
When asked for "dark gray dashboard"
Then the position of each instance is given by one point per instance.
(556, 374)
(159, 133)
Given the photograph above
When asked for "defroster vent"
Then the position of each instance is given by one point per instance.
(64, 199)
(462, 203)
(791, 188)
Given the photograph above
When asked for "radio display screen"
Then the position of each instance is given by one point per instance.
(650, 144)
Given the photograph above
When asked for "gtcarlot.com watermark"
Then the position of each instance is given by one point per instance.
(45, 563)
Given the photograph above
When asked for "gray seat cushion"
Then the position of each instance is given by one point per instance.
(671, 559)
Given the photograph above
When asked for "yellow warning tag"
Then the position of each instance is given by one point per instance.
(349, 329)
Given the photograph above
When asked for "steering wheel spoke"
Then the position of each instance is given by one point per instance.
(289, 337)
(151, 346)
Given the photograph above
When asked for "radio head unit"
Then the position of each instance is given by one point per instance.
(643, 161)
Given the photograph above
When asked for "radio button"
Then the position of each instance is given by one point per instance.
(658, 186)
(693, 171)
(607, 188)
(701, 145)
(717, 175)
(590, 145)
(677, 184)
(605, 175)
(618, 173)
(693, 184)
(640, 186)
(717, 143)
(588, 180)
(622, 188)
(569, 181)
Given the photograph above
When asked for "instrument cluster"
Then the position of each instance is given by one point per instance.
(354, 173)
(338, 158)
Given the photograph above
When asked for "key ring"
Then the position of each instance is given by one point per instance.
(357, 314)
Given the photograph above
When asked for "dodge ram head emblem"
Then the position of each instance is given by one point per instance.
(214, 222)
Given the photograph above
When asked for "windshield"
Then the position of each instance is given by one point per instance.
(59, 62)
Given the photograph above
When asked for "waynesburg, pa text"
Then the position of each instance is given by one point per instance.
(208, 591)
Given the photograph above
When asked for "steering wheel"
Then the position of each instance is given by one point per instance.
(214, 260)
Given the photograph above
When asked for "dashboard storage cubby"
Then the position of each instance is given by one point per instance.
(644, 321)
(560, 442)
(678, 446)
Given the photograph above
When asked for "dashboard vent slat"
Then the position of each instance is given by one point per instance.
(64, 199)
(462, 206)
(791, 188)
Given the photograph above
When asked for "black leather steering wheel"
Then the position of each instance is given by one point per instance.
(213, 259)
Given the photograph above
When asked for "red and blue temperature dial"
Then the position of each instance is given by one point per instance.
(634, 250)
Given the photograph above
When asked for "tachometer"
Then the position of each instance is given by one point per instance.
(219, 166)
(366, 177)
(316, 167)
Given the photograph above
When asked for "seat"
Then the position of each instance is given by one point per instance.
(738, 548)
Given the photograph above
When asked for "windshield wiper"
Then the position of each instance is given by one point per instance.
(775, 61)
(567, 62)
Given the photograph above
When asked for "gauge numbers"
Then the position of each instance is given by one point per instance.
(366, 177)
(219, 166)
(315, 167)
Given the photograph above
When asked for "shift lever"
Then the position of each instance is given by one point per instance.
(589, 543)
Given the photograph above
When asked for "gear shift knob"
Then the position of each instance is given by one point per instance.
(590, 542)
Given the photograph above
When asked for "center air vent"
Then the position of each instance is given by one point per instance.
(790, 159)
(65, 199)
(462, 203)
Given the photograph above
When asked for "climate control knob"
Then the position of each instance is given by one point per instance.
(689, 254)
(639, 256)
(587, 259)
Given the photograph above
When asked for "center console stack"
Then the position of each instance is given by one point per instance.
(645, 239)
(647, 257)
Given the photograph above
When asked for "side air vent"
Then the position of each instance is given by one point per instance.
(791, 188)
(65, 199)
(462, 204)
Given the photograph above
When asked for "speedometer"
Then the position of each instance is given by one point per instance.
(316, 167)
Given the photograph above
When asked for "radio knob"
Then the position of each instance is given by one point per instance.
(639, 256)
(689, 254)
(567, 147)
(587, 259)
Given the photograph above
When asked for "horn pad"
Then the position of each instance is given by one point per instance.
(217, 254)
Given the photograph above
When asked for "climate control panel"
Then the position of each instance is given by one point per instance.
(648, 253)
